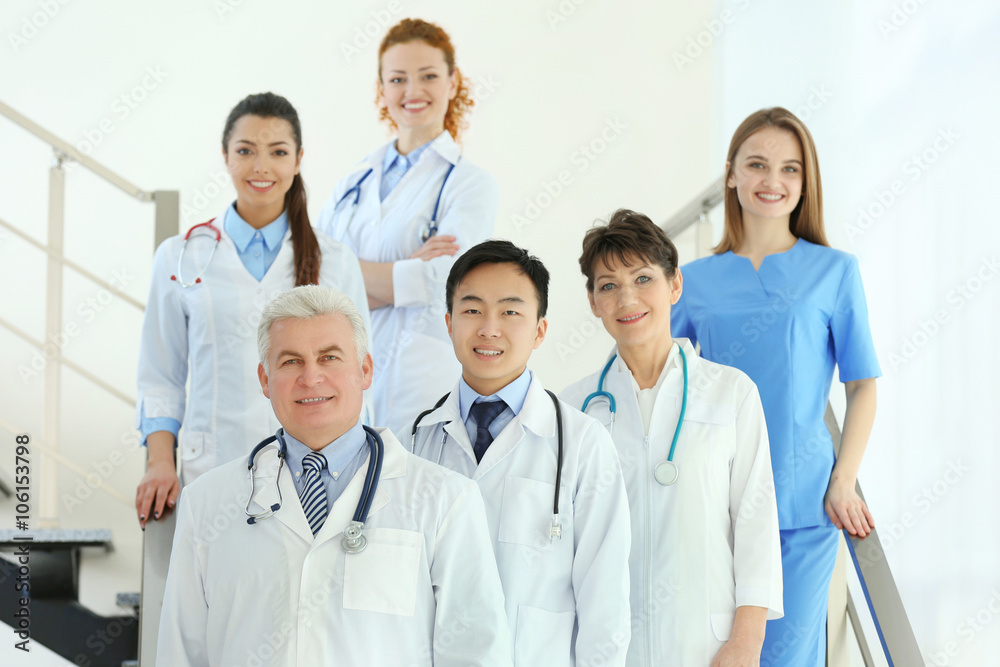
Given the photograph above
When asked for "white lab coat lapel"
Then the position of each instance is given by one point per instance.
(342, 512)
(537, 415)
(449, 417)
(266, 496)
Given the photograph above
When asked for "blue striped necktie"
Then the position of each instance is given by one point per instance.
(313, 494)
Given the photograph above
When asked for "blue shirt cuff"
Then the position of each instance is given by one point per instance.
(153, 424)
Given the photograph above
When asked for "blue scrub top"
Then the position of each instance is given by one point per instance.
(785, 326)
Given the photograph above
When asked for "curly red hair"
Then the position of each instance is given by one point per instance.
(409, 30)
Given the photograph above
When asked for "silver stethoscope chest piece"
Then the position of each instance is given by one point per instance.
(354, 541)
(665, 472)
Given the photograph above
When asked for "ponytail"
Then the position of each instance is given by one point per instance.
(308, 257)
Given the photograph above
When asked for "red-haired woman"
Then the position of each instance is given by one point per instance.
(408, 210)
(781, 305)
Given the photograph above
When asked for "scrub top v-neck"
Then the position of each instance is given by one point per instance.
(785, 325)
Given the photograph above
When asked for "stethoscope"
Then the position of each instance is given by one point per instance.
(180, 258)
(426, 232)
(354, 541)
(665, 472)
(555, 527)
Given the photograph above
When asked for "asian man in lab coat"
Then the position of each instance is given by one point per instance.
(283, 590)
(565, 576)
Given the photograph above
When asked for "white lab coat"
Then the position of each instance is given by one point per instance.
(567, 600)
(424, 591)
(709, 543)
(207, 334)
(414, 361)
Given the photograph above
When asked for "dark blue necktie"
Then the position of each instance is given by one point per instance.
(484, 413)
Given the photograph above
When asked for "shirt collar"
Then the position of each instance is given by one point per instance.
(673, 361)
(338, 453)
(513, 394)
(391, 155)
(240, 231)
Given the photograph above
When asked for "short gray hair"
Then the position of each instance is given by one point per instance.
(304, 302)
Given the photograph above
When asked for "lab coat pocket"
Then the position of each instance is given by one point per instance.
(383, 577)
(722, 626)
(526, 513)
(543, 637)
(197, 453)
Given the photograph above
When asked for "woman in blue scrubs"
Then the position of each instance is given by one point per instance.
(778, 303)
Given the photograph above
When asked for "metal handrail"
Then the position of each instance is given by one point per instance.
(88, 475)
(73, 265)
(165, 225)
(702, 203)
(71, 153)
(72, 365)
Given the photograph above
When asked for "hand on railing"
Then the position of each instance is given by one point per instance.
(159, 487)
(846, 509)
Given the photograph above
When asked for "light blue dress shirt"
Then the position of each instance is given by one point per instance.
(344, 457)
(395, 166)
(513, 394)
(257, 249)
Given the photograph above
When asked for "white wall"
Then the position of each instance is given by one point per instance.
(549, 78)
(889, 82)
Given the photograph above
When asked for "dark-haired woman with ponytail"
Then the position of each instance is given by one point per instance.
(206, 295)
(408, 210)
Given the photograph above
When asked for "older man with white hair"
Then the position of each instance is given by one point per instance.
(267, 565)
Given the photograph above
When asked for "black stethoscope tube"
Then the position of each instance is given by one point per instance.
(559, 439)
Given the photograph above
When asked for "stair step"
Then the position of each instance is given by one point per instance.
(56, 539)
(131, 600)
